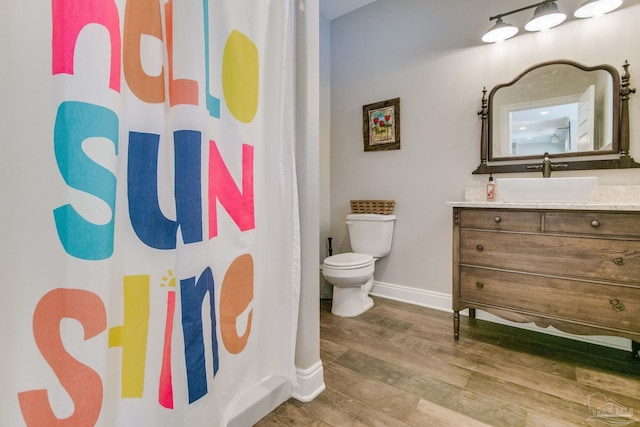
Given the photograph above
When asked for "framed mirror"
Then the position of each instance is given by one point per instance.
(573, 112)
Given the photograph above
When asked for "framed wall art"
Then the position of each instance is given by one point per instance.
(381, 125)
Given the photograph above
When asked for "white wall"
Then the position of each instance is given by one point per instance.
(325, 125)
(309, 370)
(430, 55)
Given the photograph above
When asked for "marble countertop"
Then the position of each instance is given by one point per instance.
(548, 205)
(606, 197)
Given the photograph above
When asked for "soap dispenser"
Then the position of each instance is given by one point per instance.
(491, 189)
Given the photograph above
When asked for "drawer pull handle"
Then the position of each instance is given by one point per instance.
(619, 261)
(616, 304)
(497, 219)
(479, 285)
(479, 248)
(595, 223)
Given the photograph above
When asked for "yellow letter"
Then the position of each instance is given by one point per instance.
(132, 335)
(240, 76)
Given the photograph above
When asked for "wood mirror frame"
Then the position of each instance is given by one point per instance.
(620, 159)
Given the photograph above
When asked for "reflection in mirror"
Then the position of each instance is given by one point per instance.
(556, 108)
(571, 111)
(546, 129)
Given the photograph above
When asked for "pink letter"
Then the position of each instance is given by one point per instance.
(69, 18)
(238, 204)
(165, 393)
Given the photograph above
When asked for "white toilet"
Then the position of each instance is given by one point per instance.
(351, 273)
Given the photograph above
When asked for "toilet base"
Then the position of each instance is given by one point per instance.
(351, 301)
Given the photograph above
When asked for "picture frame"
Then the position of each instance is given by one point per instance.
(381, 125)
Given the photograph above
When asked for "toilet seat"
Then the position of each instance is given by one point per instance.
(348, 261)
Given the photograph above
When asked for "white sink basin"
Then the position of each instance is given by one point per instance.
(557, 190)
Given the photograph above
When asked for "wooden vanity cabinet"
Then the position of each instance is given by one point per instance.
(576, 270)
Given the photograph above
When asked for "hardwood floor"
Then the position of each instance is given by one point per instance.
(398, 365)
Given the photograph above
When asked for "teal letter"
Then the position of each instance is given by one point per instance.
(76, 122)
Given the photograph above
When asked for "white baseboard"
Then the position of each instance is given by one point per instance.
(310, 383)
(429, 299)
(442, 302)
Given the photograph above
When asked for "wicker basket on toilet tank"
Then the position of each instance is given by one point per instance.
(382, 207)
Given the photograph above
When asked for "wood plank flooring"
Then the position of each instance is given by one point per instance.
(398, 365)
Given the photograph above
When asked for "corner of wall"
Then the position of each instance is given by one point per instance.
(310, 383)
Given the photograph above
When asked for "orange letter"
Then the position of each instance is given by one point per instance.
(235, 297)
(142, 17)
(81, 382)
(181, 91)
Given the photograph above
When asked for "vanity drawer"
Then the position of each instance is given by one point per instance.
(546, 254)
(503, 220)
(611, 306)
(594, 223)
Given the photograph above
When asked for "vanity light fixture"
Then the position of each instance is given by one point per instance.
(596, 8)
(500, 32)
(546, 16)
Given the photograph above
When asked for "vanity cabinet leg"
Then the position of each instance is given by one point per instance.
(456, 325)
(635, 348)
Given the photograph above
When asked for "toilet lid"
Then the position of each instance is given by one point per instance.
(348, 260)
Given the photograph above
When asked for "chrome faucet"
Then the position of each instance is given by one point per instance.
(547, 166)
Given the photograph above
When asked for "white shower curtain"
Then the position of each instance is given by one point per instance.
(150, 243)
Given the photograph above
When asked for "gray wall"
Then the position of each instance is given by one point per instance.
(430, 55)
(325, 126)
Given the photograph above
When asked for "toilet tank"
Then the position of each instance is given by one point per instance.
(371, 234)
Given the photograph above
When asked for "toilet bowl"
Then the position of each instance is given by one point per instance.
(351, 274)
